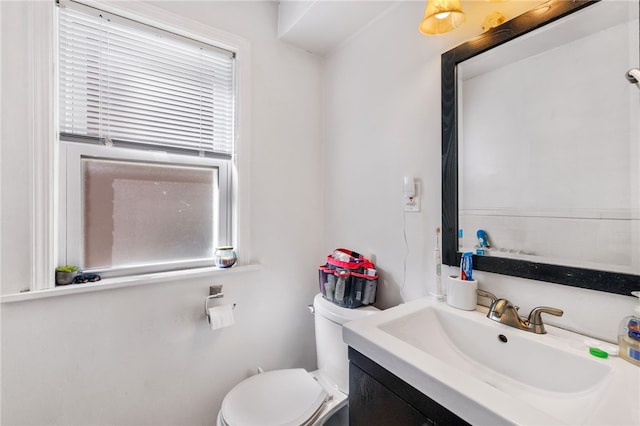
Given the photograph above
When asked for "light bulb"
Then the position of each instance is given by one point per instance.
(442, 15)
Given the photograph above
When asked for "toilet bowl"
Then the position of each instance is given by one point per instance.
(296, 397)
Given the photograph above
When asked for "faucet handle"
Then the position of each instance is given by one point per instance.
(483, 293)
(535, 318)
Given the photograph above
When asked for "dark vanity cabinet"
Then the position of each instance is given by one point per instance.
(377, 397)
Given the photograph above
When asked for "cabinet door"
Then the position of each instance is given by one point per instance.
(372, 404)
(379, 397)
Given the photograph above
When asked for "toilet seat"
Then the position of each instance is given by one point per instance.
(289, 397)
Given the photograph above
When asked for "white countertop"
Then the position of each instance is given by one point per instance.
(615, 402)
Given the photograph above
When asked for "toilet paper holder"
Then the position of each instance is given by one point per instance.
(215, 292)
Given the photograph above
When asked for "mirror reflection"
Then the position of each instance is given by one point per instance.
(549, 144)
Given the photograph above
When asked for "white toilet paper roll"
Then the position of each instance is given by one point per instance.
(220, 316)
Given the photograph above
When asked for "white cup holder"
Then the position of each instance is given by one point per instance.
(462, 294)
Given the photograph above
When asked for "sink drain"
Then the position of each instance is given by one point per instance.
(503, 338)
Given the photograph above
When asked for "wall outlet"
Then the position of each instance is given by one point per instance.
(412, 203)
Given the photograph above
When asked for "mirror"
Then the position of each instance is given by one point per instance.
(534, 153)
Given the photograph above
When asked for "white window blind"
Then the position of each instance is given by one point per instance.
(122, 82)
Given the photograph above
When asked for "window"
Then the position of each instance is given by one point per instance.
(146, 125)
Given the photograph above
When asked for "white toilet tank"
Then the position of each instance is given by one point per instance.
(331, 351)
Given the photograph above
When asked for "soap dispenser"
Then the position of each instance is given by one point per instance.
(629, 335)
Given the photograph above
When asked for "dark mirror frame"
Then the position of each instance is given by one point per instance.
(611, 282)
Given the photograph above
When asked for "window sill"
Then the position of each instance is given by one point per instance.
(113, 283)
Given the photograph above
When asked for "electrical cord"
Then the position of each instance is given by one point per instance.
(406, 255)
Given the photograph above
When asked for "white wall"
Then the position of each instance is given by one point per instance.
(382, 121)
(144, 355)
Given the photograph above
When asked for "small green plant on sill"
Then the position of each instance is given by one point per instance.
(67, 268)
(65, 274)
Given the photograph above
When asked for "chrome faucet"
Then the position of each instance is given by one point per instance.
(502, 311)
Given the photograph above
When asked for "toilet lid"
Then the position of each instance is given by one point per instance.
(280, 397)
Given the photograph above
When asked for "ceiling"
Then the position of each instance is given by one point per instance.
(318, 26)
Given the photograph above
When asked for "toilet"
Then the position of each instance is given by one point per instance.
(295, 397)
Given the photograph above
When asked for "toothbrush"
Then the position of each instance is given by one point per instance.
(436, 254)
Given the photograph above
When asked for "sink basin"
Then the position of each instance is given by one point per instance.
(500, 356)
(489, 373)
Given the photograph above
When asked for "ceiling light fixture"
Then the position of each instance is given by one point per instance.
(441, 16)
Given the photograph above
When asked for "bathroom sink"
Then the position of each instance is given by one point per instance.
(500, 356)
(489, 373)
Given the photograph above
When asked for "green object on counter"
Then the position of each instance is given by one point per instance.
(598, 352)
